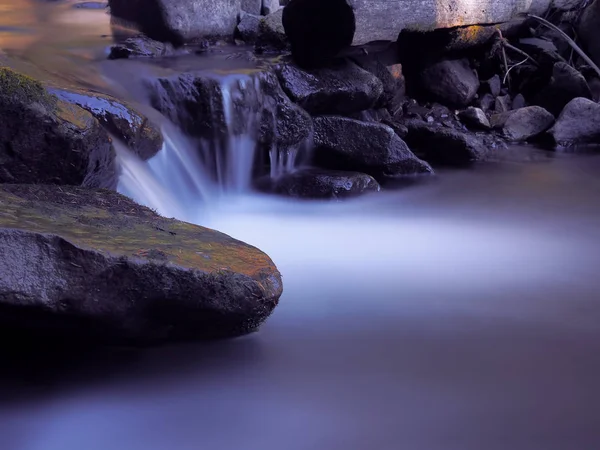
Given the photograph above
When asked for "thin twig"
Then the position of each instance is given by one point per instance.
(512, 67)
(568, 39)
(520, 52)
(505, 58)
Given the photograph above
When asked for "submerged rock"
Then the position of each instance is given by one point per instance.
(44, 139)
(451, 81)
(526, 123)
(120, 119)
(348, 144)
(142, 47)
(579, 123)
(341, 88)
(443, 146)
(92, 264)
(321, 184)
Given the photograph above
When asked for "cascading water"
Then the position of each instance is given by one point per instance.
(200, 172)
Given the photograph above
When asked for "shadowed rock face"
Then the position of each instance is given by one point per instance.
(92, 264)
(44, 139)
(318, 30)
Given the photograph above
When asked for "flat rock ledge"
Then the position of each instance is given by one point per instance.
(86, 264)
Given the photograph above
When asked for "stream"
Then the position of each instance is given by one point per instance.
(460, 313)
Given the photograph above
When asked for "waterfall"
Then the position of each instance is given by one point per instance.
(190, 175)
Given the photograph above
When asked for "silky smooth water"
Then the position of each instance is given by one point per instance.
(462, 313)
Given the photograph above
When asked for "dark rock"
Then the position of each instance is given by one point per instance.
(502, 104)
(322, 184)
(342, 143)
(565, 85)
(451, 81)
(342, 88)
(589, 32)
(179, 21)
(91, 5)
(252, 6)
(372, 115)
(270, 7)
(486, 102)
(248, 28)
(259, 108)
(398, 128)
(579, 123)
(443, 146)
(518, 102)
(46, 140)
(119, 119)
(394, 89)
(527, 123)
(142, 47)
(492, 86)
(271, 35)
(92, 264)
(497, 121)
(318, 30)
(474, 117)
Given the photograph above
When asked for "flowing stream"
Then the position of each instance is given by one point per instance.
(462, 313)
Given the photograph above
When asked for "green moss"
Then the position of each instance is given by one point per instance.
(21, 88)
(112, 224)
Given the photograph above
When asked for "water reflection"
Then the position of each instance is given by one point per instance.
(462, 314)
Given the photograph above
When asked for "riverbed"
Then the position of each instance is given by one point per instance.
(460, 313)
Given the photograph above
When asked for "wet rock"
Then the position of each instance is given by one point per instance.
(259, 108)
(579, 123)
(492, 86)
(475, 118)
(179, 21)
(92, 264)
(451, 82)
(392, 80)
(440, 145)
(318, 30)
(322, 184)
(527, 123)
(271, 35)
(503, 104)
(142, 47)
(565, 85)
(248, 28)
(119, 119)
(342, 88)
(46, 140)
(348, 144)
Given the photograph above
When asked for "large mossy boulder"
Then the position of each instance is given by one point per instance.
(93, 265)
(44, 139)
